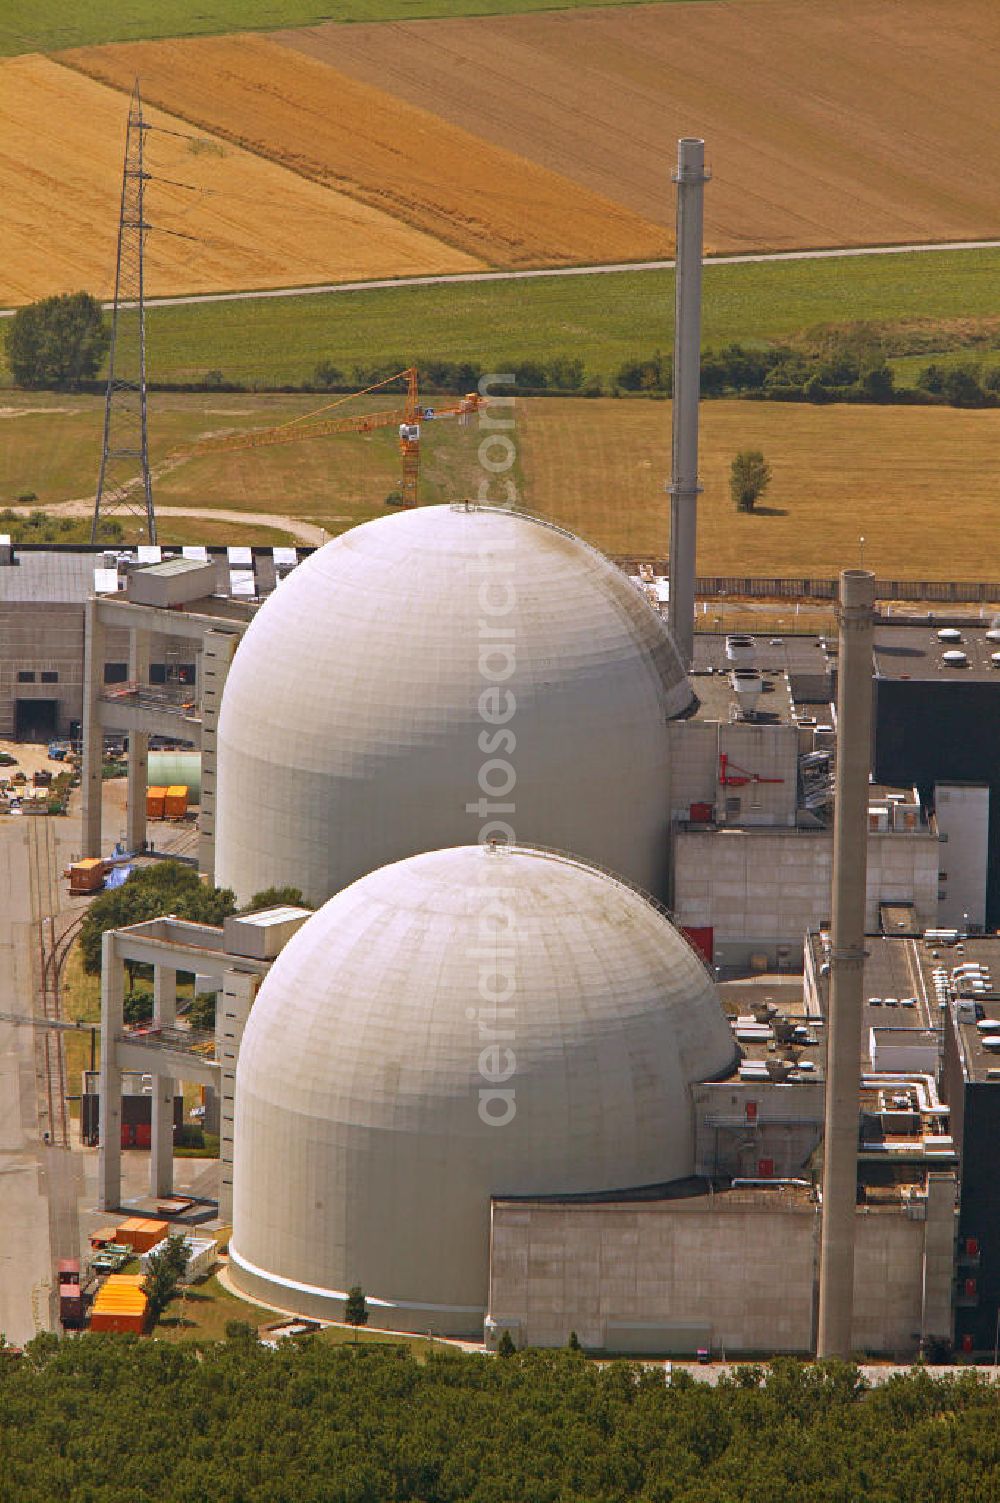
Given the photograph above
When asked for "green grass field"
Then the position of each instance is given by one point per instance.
(48, 25)
(602, 319)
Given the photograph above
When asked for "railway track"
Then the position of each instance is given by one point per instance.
(55, 932)
(54, 935)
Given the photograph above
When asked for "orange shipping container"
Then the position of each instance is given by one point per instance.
(120, 1305)
(141, 1234)
(176, 802)
(118, 1320)
(155, 802)
(86, 876)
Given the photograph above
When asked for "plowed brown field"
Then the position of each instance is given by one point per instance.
(381, 151)
(854, 122)
(242, 222)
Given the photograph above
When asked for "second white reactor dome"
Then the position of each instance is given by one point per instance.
(459, 1025)
(434, 671)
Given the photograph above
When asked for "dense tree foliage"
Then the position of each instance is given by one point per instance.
(59, 341)
(164, 1272)
(276, 897)
(166, 887)
(99, 1419)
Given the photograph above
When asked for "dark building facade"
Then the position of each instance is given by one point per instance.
(974, 1100)
(936, 723)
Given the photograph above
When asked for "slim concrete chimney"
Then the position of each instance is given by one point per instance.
(843, 1044)
(690, 178)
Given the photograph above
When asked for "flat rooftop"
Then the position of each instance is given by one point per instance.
(918, 652)
(804, 653)
(887, 1187)
(716, 698)
(65, 574)
(902, 969)
(977, 1059)
(898, 985)
(789, 1034)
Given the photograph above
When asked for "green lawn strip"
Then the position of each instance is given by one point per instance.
(602, 319)
(47, 25)
(202, 1311)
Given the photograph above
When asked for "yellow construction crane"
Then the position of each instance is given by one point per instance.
(408, 417)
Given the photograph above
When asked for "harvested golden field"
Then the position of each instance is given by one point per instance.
(920, 484)
(251, 222)
(379, 150)
(854, 122)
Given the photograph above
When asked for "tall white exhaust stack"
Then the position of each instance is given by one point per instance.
(690, 178)
(847, 960)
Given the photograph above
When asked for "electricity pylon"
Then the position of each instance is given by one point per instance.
(123, 486)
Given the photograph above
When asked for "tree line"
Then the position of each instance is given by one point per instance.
(96, 1419)
(61, 342)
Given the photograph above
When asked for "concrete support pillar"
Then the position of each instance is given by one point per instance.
(239, 988)
(93, 736)
(843, 1055)
(138, 746)
(109, 1153)
(939, 1257)
(164, 996)
(216, 656)
(161, 1159)
(684, 489)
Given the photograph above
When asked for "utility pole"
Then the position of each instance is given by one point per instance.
(123, 487)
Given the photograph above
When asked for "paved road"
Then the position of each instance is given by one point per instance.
(748, 259)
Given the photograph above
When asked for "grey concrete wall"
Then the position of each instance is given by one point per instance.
(49, 638)
(761, 889)
(684, 1266)
(41, 638)
(769, 751)
(742, 1269)
(785, 1126)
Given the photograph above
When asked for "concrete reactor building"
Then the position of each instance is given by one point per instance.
(462, 1024)
(434, 678)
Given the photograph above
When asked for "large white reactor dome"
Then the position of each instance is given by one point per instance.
(383, 1096)
(432, 676)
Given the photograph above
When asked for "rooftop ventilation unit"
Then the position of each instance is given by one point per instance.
(954, 659)
(949, 634)
(995, 659)
(741, 648)
(993, 635)
(748, 686)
